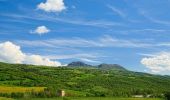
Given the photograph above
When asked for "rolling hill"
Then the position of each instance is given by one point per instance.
(102, 80)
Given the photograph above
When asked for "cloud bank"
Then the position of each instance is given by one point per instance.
(157, 63)
(52, 6)
(41, 30)
(12, 53)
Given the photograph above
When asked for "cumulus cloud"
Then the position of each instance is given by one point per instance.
(157, 63)
(52, 6)
(38, 60)
(41, 30)
(12, 53)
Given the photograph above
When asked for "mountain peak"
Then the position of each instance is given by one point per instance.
(78, 63)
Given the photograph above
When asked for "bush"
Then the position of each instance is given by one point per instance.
(17, 95)
(167, 96)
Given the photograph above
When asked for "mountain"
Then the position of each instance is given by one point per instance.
(85, 81)
(78, 64)
(101, 66)
(111, 67)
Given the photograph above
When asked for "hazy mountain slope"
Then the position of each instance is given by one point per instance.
(111, 67)
(78, 64)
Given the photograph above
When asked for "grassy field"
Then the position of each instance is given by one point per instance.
(7, 89)
(2, 98)
(93, 98)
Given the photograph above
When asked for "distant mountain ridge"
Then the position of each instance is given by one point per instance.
(103, 66)
(111, 67)
(78, 64)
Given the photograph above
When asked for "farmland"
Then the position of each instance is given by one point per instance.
(7, 89)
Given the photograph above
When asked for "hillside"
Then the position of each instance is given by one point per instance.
(84, 81)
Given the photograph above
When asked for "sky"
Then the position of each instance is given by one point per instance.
(132, 33)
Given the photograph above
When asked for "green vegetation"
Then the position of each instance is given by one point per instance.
(92, 98)
(82, 98)
(167, 95)
(3, 98)
(80, 82)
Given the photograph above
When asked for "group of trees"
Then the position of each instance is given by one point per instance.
(50, 93)
(47, 93)
(12, 95)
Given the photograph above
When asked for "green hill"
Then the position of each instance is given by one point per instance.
(84, 81)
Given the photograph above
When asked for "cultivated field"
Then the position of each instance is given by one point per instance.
(7, 89)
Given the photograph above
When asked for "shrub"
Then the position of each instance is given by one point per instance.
(167, 96)
(17, 95)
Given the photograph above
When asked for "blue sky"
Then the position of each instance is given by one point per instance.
(132, 33)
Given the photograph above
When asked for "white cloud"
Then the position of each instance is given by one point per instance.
(146, 54)
(12, 53)
(105, 41)
(158, 63)
(52, 6)
(41, 30)
(77, 21)
(71, 56)
(117, 11)
(39, 60)
(153, 18)
(89, 60)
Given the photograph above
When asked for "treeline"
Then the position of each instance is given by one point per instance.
(50, 93)
(47, 93)
(144, 93)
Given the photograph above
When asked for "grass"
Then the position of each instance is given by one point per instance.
(7, 89)
(3, 98)
(93, 98)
